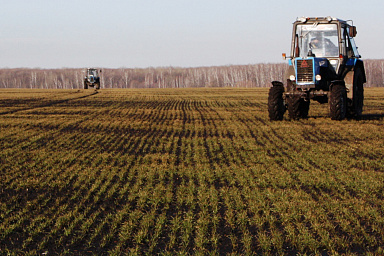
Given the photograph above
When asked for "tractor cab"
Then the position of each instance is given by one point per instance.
(92, 74)
(325, 44)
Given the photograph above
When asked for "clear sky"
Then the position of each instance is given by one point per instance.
(180, 33)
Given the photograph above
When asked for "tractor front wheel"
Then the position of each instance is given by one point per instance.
(276, 107)
(297, 107)
(338, 102)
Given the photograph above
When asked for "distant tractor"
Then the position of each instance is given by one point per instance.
(92, 78)
(324, 66)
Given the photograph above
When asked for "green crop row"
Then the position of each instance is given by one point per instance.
(186, 171)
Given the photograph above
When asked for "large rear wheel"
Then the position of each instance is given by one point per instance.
(358, 93)
(276, 106)
(338, 102)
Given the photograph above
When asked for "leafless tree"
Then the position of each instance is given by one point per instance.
(258, 75)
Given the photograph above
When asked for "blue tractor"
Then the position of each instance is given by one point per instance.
(92, 78)
(325, 66)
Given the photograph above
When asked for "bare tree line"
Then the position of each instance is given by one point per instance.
(374, 70)
(258, 75)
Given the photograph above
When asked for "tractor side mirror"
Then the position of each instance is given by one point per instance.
(352, 31)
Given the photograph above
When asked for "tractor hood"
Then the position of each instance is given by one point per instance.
(308, 71)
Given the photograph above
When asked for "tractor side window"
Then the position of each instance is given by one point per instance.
(354, 48)
(348, 45)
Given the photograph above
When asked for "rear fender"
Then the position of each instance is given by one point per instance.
(349, 84)
(360, 65)
(350, 75)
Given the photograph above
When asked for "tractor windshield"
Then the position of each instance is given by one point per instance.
(317, 40)
(92, 72)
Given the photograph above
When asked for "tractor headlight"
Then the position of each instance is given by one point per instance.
(292, 78)
(333, 62)
(318, 77)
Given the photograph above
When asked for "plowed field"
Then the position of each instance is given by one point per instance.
(186, 171)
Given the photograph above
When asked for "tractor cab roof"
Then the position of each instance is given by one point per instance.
(327, 19)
